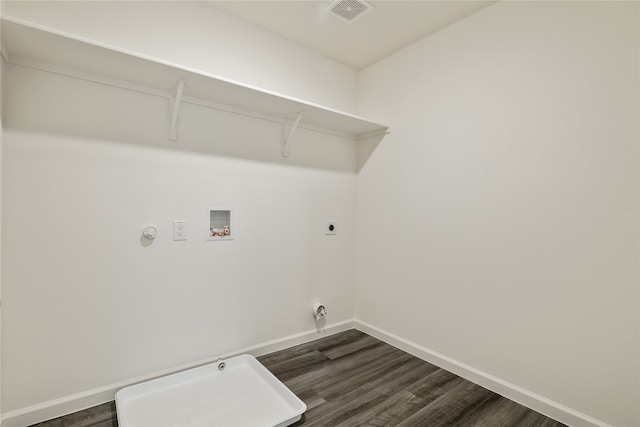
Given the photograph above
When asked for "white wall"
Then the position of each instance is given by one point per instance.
(194, 34)
(87, 302)
(1, 160)
(498, 223)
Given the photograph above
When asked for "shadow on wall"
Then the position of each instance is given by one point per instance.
(55, 104)
(366, 148)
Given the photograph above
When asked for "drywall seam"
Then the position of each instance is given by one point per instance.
(77, 402)
(511, 391)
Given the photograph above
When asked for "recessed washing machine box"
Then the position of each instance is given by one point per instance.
(220, 224)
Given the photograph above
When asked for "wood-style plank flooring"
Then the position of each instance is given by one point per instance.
(352, 379)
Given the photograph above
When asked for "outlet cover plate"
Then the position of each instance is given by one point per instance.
(179, 229)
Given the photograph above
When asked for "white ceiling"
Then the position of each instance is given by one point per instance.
(390, 26)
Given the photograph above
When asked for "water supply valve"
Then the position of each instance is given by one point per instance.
(319, 311)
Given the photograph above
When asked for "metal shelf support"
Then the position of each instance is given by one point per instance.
(176, 98)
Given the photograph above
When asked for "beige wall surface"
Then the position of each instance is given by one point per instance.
(88, 301)
(498, 223)
(193, 34)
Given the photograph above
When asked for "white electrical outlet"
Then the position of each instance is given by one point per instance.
(179, 229)
(330, 227)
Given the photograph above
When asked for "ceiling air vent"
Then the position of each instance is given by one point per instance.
(349, 10)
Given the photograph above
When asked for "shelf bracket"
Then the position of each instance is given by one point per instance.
(176, 98)
(288, 133)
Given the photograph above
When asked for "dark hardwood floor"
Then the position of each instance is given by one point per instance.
(353, 379)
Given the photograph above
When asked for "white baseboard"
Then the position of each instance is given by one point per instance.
(517, 394)
(77, 402)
